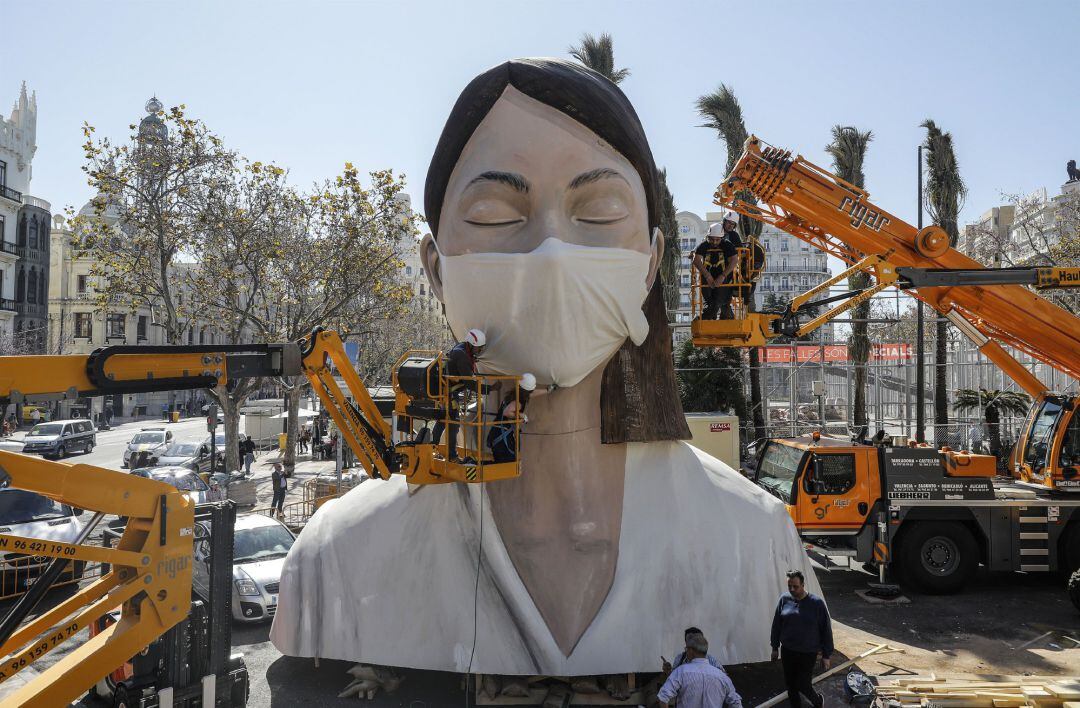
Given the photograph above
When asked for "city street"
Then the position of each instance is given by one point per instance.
(109, 451)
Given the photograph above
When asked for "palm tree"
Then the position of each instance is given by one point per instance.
(722, 113)
(993, 404)
(848, 152)
(599, 55)
(945, 193)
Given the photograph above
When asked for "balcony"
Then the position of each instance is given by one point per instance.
(8, 247)
(8, 305)
(36, 202)
(9, 193)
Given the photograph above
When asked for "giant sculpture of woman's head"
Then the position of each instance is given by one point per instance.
(542, 197)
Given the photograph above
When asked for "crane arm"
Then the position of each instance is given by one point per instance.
(807, 201)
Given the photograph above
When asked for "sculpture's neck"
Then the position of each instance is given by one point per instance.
(561, 519)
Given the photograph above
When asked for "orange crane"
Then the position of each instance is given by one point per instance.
(990, 306)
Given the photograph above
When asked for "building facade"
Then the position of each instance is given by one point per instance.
(18, 142)
(791, 267)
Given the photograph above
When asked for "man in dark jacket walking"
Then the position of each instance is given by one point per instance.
(801, 629)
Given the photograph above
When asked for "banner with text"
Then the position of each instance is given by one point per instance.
(780, 354)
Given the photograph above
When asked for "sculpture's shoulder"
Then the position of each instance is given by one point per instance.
(676, 467)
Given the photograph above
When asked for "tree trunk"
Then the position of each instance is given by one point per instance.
(230, 411)
(292, 405)
(993, 424)
(756, 406)
(859, 347)
(941, 392)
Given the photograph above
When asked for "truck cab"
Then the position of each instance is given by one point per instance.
(1047, 452)
(831, 488)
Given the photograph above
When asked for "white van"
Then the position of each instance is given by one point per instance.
(31, 515)
(59, 437)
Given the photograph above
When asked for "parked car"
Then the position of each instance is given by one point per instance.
(186, 481)
(58, 438)
(186, 453)
(149, 440)
(31, 515)
(260, 545)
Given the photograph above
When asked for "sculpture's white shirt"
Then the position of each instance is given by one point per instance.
(386, 578)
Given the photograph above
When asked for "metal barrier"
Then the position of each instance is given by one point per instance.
(316, 492)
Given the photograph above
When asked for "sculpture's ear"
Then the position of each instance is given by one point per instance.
(429, 256)
(657, 247)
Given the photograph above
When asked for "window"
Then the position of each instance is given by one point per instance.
(3, 173)
(83, 286)
(784, 283)
(834, 474)
(684, 301)
(140, 328)
(202, 335)
(686, 280)
(408, 270)
(20, 286)
(768, 245)
(191, 335)
(114, 325)
(32, 287)
(41, 289)
(783, 244)
(422, 291)
(20, 233)
(83, 325)
(685, 228)
(32, 241)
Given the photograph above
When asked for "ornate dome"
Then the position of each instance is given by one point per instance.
(151, 124)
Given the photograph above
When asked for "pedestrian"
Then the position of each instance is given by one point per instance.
(35, 416)
(459, 360)
(304, 433)
(280, 481)
(247, 450)
(680, 658)
(696, 683)
(502, 437)
(975, 437)
(801, 630)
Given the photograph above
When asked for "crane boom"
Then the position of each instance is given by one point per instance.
(814, 205)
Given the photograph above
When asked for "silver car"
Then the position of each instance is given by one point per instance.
(186, 481)
(260, 545)
(192, 455)
(152, 441)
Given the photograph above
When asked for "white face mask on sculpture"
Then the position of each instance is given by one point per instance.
(559, 311)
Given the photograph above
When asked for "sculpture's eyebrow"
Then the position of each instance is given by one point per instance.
(593, 175)
(510, 179)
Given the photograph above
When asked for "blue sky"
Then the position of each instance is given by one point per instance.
(311, 85)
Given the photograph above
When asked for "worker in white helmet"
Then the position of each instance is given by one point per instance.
(459, 360)
(730, 243)
(502, 438)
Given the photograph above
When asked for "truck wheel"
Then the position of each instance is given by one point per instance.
(1074, 589)
(61, 453)
(939, 556)
(1069, 552)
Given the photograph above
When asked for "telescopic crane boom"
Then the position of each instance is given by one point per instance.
(992, 307)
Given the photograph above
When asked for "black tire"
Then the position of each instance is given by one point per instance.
(938, 557)
(122, 698)
(1074, 589)
(61, 453)
(1069, 549)
(89, 448)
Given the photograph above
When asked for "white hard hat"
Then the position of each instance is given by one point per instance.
(528, 382)
(731, 216)
(716, 230)
(476, 337)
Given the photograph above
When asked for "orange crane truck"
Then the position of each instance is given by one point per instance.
(931, 515)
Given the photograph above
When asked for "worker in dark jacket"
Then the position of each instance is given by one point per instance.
(801, 630)
(460, 360)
